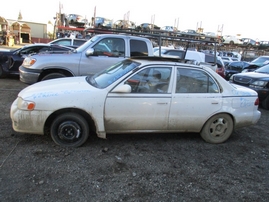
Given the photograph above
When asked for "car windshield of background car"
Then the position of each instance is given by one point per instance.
(110, 75)
(264, 69)
(261, 60)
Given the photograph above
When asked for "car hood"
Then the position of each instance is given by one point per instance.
(6, 51)
(62, 87)
(252, 75)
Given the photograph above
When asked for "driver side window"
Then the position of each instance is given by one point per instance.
(151, 80)
(112, 47)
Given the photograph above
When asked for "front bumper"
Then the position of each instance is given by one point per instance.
(31, 122)
(29, 76)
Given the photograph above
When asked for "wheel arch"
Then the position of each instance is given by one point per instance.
(45, 72)
(233, 118)
(81, 112)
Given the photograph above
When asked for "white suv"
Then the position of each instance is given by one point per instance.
(229, 39)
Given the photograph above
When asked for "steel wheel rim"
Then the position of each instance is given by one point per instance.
(218, 127)
(69, 131)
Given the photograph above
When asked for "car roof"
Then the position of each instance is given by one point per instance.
(166, 60)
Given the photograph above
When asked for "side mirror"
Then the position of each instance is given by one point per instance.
(89, 52)
(122, 89)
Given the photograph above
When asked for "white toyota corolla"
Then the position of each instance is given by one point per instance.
(149, 95)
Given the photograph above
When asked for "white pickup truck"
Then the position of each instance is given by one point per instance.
(98, 53)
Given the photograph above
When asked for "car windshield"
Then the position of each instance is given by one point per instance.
(110, 75)
(264, 69)
(86, 44)
(261, 60)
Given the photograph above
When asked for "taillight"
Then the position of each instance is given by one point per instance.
(257, 102)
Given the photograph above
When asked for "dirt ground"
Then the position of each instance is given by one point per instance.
(165, 167)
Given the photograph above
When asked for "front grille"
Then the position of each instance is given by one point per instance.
(242, 80)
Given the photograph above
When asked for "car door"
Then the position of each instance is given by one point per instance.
(105, 55)
(146, 107)
(197, 96)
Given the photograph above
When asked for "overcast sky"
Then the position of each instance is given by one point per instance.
(235, 17)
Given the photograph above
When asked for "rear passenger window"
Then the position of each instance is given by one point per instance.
(138, 48)
(195, 81)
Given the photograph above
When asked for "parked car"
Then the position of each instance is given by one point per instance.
(260, 61)
(75, 20)
(249, 42)
(238, 67)
(104, 23)
(10, 60)
(99, 52)
(229, 39)
(169, 29)
(137, 95)
(263, 45)
(190, 33)
(146, 27)
(71, 42)
(227, 59)
(210, 36)
(257, 80)
(124, 24)
(211, 58)
(190, 55)
(181, 54)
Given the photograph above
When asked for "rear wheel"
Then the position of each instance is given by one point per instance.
(69, 130)
(217, 129)
(265, 103)
(53, 76)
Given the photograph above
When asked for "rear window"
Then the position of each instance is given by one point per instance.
(138, 48)
(78, 42)
(210, 59)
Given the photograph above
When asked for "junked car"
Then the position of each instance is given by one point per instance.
(11, 60)
(238, 67)
(101, 22)
(257, 80)
(136, 95)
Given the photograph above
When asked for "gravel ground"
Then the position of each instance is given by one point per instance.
(163, 167)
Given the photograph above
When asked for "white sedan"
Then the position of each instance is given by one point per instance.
(149, 95)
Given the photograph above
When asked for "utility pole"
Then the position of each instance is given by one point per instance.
(152, 21)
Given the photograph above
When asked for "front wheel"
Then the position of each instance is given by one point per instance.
(217, 129)
(53, 76)
(69, 130)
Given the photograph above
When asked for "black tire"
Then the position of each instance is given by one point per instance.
(217, 129)
(1, 71)
(265, 103)
(69, 130)
(53, 76)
